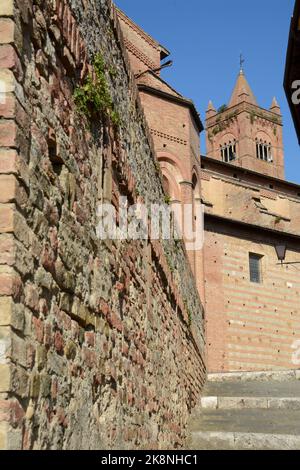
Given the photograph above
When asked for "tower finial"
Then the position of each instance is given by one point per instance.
(242, 61)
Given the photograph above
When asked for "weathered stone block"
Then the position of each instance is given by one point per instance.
(56, 364)
(8, 185)
(7, 31)
(10, 60)
(6, 306)
(7, 8)
(32, 297)
(58, 342)
(45, 385)
(14, 438)
(44, 279)
(5, 344)
(10, 282)
(8, 161)
(38, 326)
(35, 383)
(7, 56)
(8, 82)
(5, 378)
(7, 106)
(6, 218)
(3, 435)
(11, 190)
(11, 314)
(8, 134)
(79, 311)
(19, 381)
(70, 350)
(210, 403)
(41, 356)
(66, 301)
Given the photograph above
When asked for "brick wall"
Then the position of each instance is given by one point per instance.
(101, 344)
(250, 326)
(248, 198)
(144, 52)
(245, 122)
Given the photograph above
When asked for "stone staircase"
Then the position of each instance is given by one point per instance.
(249, 410)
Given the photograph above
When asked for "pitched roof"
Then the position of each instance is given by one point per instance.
(242, 91)
(153, 80)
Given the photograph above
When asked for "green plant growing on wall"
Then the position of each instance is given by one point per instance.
(190, 318)
(178, 242)
(252, 117)
(168, 200)
(262, 115)
(222, 108)
(112, 72)
(93, 98)
(231, 117)
(157, 166)
(189, 313)
(221, 126)
(216, 130)
(170, 263)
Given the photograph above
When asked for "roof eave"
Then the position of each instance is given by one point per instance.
(176, 99)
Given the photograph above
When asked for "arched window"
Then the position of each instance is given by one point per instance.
(264, 150)
(228, 151)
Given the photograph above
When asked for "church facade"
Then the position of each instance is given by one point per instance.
(252, 309)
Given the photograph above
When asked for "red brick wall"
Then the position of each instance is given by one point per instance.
(244, 123)
(249, 326)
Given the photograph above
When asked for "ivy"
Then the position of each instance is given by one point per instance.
(93, 98)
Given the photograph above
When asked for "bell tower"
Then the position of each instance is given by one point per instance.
(244, 134)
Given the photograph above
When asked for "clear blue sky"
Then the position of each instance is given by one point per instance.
(205, 39)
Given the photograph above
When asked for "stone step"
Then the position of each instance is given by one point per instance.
(259, 376)
(254, 388)
(243, 441)
(248, 410)
(262, 421)
(228, 403)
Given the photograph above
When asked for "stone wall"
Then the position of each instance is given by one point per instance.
(101, 343)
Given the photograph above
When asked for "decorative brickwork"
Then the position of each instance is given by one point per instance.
(139, 54)
(168, 137)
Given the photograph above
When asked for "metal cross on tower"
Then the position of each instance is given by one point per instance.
(242, 61)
